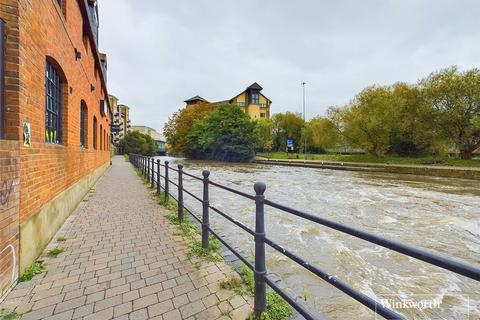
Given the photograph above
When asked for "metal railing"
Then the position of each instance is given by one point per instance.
(152, 171)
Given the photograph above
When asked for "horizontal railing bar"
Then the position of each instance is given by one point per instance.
(235, 221)
(237, 254)
(300, 308)
(246, 195)
(334, 281)
(176, 185)
(459, 267)
(191, 175)
(193, 215)
(192, 195)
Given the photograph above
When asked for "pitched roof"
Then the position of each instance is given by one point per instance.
(255, 86)
(196, 98)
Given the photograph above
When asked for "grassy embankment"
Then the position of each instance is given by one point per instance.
(445, 161)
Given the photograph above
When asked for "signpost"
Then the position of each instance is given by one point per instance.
(289, 145)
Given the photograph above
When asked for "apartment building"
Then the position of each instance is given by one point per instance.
(121, 120)
(251, 100)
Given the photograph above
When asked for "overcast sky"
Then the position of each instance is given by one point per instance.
(163, 52)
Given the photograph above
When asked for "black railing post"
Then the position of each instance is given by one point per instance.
(153, 174)
(158, 176)
(260, 271)
(144, 165)
(180, 193)
(206, 205)
(148, 169)
(166, 182)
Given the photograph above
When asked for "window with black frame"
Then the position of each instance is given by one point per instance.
(83, 120)
(254, 98)
(53, 105)
(94, 135)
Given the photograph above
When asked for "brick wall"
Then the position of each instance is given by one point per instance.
(9, 206)
(37, 31)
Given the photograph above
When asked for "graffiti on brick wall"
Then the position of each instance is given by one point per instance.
(5, 191)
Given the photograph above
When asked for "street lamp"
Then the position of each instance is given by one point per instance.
(304, 118)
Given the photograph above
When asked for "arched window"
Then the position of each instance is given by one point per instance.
(94, 135)
(83, 124)
(53, 104)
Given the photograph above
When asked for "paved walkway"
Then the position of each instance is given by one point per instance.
(122, 261)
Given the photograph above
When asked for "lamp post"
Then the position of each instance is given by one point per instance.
(304, 118)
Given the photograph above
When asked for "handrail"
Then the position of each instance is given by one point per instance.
(456, 266)
(240, 193)
(261, 278)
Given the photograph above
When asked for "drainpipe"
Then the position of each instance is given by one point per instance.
(2, 75)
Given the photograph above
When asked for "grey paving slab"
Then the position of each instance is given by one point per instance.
(123, 260)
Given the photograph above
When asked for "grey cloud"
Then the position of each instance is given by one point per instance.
(162, 52)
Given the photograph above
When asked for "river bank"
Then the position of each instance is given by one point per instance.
(415, 169)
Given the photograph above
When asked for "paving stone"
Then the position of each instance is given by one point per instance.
(209, 314)
(241, 313)
(180, 300)
(94, 297)
(52, 300)
(210, 300)
(172, 315)
(141, 314)
(70, 304)
(123, 260)
(198, 294)
(145, 301)
(122, 309)
(192, 308)
(160, 308)
(117, 290)
(109, 302)
(39, 314)
(67, 315)
(83, 311)
(237, 301)
(101, 315)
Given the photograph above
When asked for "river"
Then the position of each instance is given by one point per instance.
(439, 214)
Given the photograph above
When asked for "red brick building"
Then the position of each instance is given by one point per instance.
(55, 122)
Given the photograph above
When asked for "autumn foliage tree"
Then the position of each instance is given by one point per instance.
(180, 124)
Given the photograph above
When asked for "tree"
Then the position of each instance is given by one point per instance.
(139, 143)
(414, 126)
(226, 134)
(264, 133)
(455, 97)
(287, 126)
(367, 121)
(181, 122)
(321, 134)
